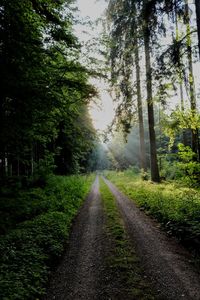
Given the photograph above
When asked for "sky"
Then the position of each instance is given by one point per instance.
(103, 112)
(102, 109)
(91, 8)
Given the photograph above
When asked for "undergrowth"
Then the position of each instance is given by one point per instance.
(122, 259)
(175, 206)
(39, 221)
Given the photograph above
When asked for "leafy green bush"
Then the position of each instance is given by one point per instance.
(170, 170)
(188, 164)
(144, 175)
(58, 195)
(133, 170)
(177, 207)
(32, 248)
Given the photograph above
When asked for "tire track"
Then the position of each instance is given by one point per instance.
(80, 272)
(166, 263)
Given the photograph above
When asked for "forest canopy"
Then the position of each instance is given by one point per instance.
(150, 50)
(45, 92)
(153, 48)
(148, 59)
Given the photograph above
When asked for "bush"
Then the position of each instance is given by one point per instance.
(144, 175)
(31, 249)
(189, 165)
(172, 204)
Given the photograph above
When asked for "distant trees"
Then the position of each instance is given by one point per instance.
(124, 55)
(131, 32)
(44, 90)
(45, 93)
(137, 30)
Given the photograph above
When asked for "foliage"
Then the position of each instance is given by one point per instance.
(32, 247)
(185, 153)
(125, 153)
(43, 103)
(169, 167)
(144, 175)
(174, 205)
(188, 164)
(159, 33)
(178, 121)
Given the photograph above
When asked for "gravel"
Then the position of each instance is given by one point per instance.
(80, 273)
(84, 274)
(167, 264)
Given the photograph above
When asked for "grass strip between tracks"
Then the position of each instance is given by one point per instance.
(122, 259)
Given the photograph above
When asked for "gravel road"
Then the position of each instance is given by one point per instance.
(167, 264)
(83, 273)
(80, 274)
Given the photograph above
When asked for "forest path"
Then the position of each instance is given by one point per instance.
(165, 262)
(82, 273)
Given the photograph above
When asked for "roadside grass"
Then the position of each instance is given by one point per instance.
(41, 226)
(122, 259)
(175, 206)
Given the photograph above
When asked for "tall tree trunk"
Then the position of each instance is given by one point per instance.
(191, 77)
(32, 159)
(184, 136)
(180, 76)
(18, 166)
(2, 166)
(197, 4)
(139, 105)
(153, 153)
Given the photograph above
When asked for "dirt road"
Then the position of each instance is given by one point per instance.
(83, 273)
(80, 272)
(166, 263)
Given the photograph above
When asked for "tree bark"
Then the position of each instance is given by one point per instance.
(197, 4)
(182, 104)
(153, 153)
(191, 78)
(140, 110)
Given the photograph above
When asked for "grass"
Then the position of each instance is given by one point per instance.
(40, 221)
(175, 206)
(122, 259)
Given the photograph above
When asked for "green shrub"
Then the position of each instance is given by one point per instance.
(189, 165)
(24, 267)
(31, 249)
(144, 175)
(171, 170)
(175, 206)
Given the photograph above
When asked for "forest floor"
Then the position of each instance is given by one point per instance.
(160, 268)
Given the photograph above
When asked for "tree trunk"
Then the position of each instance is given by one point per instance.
(191, 77)
(180, 76)
(153, 153)
(197, 4)
(32, 159)
(140, 110)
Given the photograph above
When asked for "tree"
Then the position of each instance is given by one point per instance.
(139, 106)
(44, 87)
(191, 77)
(153, 153)
(124, 57)
(197, 4)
